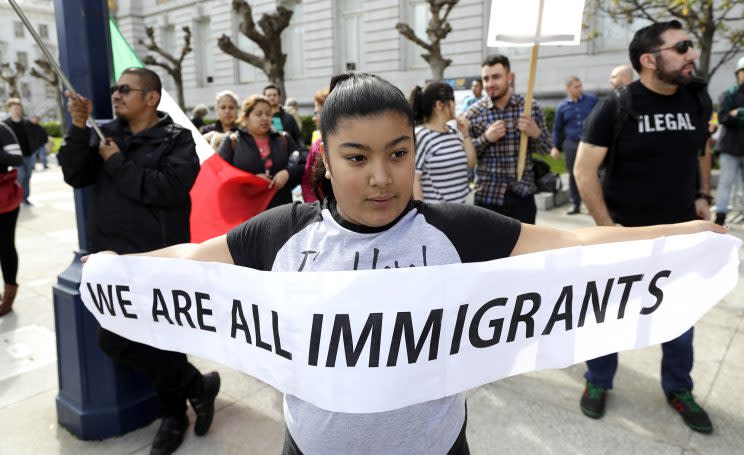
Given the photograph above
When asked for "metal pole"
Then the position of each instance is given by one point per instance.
(53, 62)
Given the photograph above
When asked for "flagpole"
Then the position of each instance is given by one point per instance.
(52, 61)
(523, 138)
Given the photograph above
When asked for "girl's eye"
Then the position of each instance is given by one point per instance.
(400, 153)
(356, 158)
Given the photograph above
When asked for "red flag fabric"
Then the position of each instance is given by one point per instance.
(223, 196)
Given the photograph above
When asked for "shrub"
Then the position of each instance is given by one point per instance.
(307, 128)
(53, 129)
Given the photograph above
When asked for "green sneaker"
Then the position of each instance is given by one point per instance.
(692, 413)
(593, 400)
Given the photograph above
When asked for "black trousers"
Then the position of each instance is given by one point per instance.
(460, 447)
(570, 146)
(521, 208)
(8, 252)
(174, 377)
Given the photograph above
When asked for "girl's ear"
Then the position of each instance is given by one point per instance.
(325, 160)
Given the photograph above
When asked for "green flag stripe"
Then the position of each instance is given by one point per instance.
(123, 54)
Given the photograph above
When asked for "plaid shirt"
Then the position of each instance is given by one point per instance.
(497, 163)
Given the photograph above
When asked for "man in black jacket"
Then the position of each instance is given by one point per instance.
(282, 120)
(142, 177)
(731, 144)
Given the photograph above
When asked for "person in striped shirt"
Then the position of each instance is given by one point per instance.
(443, 154)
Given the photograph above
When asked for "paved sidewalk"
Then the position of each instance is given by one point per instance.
(535, 413)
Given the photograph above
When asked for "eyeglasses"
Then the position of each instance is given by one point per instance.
(124, 89)
(681, 47)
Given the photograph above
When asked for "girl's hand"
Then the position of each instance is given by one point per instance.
(692, 227)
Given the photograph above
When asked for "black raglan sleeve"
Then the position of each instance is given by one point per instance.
(256, 242)
(478, 234)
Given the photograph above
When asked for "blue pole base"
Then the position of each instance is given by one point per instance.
(97, 398)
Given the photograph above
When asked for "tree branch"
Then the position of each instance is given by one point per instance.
(407, 31)
(151, 45)
(227, 46)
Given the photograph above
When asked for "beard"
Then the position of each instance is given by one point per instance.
(500, 94)
(674, 77)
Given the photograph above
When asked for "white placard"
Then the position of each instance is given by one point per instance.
(377, 340)
(514, 23)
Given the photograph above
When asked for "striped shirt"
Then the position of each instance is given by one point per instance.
(442, 165)
(497, 163)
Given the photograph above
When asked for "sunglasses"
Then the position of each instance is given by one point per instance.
(124, 89)
(681, 47)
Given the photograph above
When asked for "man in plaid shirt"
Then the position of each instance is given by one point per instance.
(496, 122)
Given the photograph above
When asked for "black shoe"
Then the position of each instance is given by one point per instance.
(204, 403)
(593, 400)
(720, 219)
(575, 210)
(170, 435)
(694, 416)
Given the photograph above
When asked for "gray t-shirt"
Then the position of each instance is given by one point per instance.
(314, 237)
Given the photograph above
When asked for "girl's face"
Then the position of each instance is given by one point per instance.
(370, 164)
(259, 120)
(227, 111)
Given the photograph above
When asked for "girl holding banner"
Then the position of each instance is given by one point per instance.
(369, 221)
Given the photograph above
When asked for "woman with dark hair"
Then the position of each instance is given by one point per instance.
(10, 198)
(443, 154)
(368, 163)
(226, 106)
(258, 149)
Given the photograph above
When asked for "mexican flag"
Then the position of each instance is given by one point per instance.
(222, 196)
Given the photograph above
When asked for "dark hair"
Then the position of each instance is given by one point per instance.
(648, 39)
(355, 95)
(148, 78)
(423, 101)
(321, 186)
(272, 86)
(497, 59)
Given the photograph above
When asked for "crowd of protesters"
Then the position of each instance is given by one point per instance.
(638, 157)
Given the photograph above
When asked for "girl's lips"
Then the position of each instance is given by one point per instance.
(381, 201)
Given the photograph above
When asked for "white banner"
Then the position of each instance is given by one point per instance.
(377, 340)
(515, 23)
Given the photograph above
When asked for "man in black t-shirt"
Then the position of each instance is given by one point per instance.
(657, 172)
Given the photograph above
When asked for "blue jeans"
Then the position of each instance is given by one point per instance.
(42, 153)
(676, 364)
(24, 175)
(732, 167)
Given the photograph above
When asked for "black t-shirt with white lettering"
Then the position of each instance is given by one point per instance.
(654, 176)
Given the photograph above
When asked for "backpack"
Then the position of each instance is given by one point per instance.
(546, 181)
(624, 104)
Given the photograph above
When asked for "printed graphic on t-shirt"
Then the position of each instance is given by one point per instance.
(656, 123)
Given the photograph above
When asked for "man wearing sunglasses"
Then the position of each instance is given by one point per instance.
(652, 137)
(142, 177)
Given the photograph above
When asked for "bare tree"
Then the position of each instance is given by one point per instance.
(268, 40)
(437, 30)
(11, 76)
(49, 76)
(172, 65)
(707, 21)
